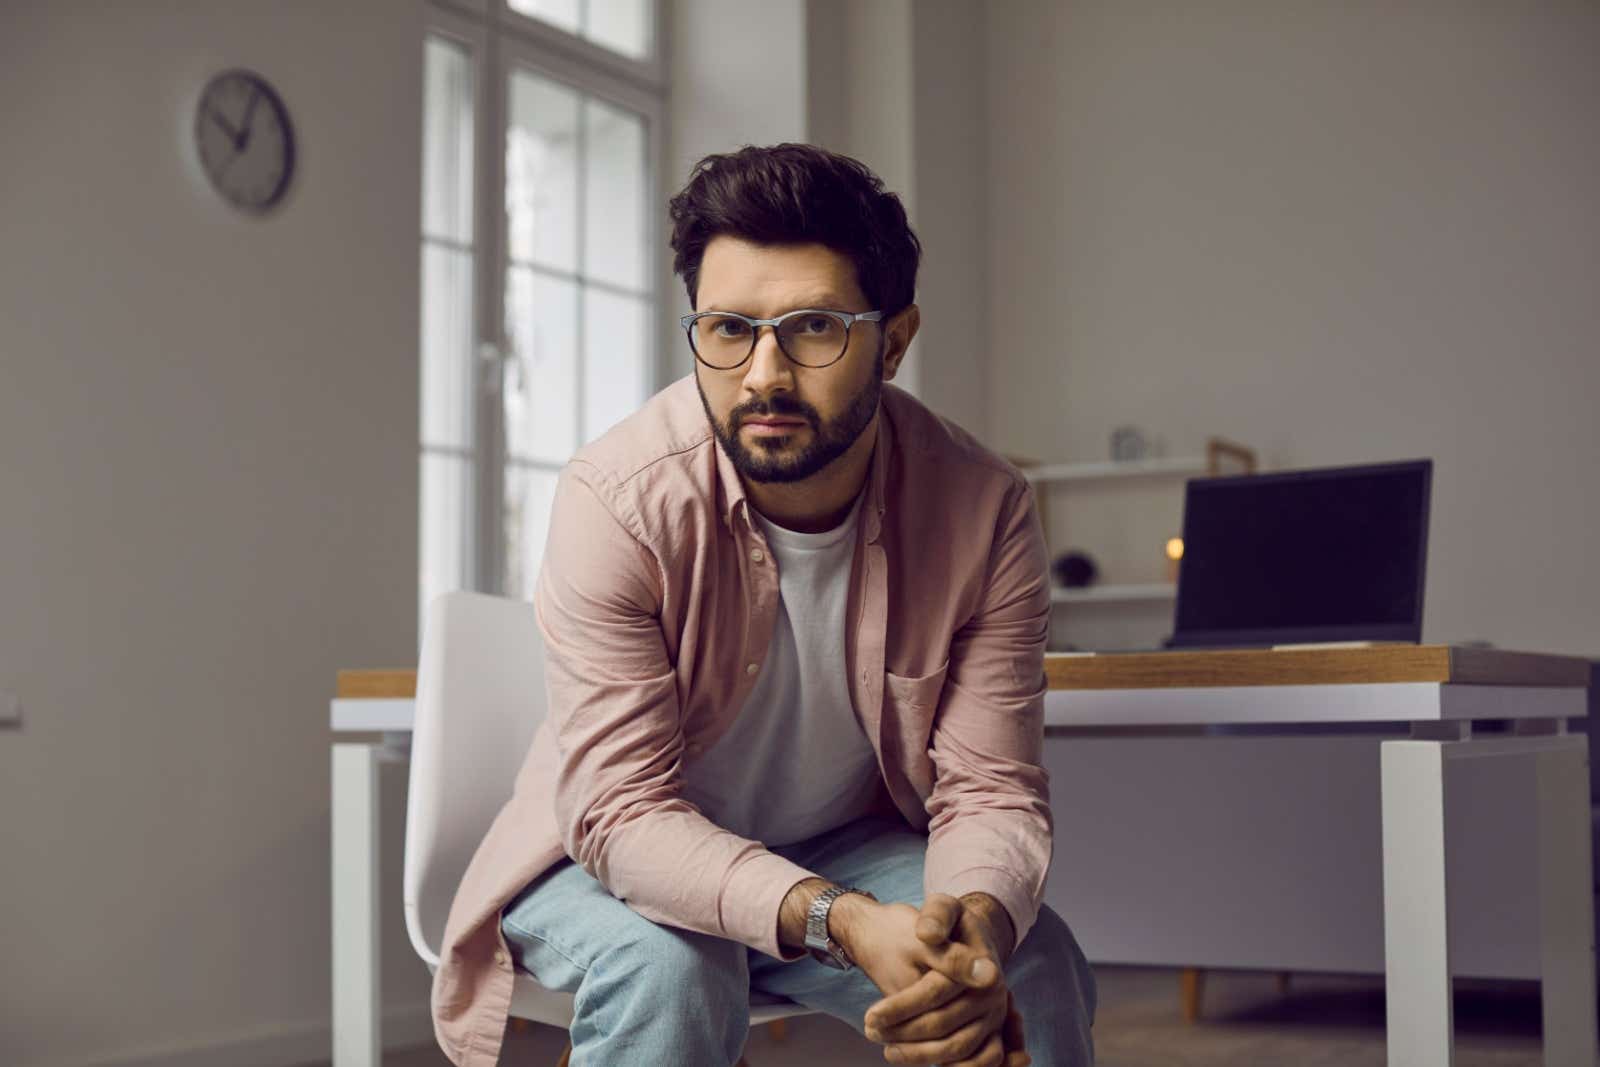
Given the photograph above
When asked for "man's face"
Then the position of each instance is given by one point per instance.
(829, 407)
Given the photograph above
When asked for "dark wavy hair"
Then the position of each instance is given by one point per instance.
(798, 194)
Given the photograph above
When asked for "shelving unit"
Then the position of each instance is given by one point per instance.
(1045, 476)
(1150, 591)
(1209, 464)
(1132, 468)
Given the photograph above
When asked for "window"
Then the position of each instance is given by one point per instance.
(623, 26)
(540, 264)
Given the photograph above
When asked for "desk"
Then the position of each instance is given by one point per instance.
(1439, 692)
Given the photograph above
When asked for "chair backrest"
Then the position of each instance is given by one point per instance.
(480, 698)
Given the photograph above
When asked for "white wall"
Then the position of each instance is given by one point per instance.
(208, 504)
(1338, 233)
(737, 70)
(859, 87)
(899, 85)
(860, 102)
(948, 94)
(738, 77)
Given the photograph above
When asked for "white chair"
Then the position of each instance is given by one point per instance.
(480, 697)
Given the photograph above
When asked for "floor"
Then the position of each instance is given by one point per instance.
(1321, 1021)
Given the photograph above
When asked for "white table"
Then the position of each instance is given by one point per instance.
(357, 895)
(1439, 691)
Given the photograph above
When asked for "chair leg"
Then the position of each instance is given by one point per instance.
(778, 1029)
(566, 1054)
(1192, 984)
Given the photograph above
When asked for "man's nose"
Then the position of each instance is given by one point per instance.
(769, 368)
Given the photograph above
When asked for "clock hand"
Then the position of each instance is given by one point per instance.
(243, 138)
(233, 135)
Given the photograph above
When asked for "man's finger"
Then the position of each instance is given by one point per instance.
(990, 1046)
(940, 913)
(926, 993)
(962, 963)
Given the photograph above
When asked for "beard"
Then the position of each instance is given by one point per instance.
(767, 462)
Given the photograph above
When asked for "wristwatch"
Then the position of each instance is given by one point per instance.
(822, 947)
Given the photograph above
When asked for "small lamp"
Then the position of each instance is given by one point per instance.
(1174, 556)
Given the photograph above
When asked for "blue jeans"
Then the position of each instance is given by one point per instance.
(665, 996)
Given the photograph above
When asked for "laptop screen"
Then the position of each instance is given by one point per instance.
(1335, 554)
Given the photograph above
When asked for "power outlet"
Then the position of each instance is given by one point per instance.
(10, 709)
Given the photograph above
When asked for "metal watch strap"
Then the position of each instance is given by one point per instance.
(821, 946)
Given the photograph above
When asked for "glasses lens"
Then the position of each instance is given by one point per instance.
(812, 338)
(720, 340)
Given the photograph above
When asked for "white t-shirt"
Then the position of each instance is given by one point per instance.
(795, 762)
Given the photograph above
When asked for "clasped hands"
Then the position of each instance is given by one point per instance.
(947, 999)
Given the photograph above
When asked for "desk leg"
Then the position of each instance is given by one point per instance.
(356, 1036)
(1566, 915)
(1416, 949)
(1415, 941)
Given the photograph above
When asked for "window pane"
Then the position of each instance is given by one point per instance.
(446, 516)
(621, 25)
(613, 186)
(542, 172)
(541, 392)
(560, 13)
(446, 141)
(529, 494)
(446, 347)
(616, 356)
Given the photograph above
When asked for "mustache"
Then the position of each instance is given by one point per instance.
(771, 410)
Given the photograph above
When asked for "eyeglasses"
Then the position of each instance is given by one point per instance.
(812, 337)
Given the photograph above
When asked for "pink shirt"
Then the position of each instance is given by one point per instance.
(657, 603)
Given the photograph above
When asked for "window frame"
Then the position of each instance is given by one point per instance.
(499, 41)
(648, 73)
(442, 21)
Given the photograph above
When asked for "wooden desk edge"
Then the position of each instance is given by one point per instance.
(1319, 666)
(1243, 667)
(390, 684)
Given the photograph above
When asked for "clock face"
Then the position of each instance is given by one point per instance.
(241, 129)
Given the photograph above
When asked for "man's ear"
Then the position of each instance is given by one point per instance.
(897, 334)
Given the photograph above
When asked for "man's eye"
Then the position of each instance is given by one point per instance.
(730, 328)
(816, 324)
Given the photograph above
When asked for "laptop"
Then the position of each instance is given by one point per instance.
(1331, 556)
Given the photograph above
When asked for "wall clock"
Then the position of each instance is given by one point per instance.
(246, 144)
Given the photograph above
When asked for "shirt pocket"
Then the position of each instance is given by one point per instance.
(909, 705)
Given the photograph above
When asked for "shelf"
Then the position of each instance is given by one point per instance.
(1113, 593)
(1127, 468)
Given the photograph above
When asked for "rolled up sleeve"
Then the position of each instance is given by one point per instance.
(614, 710)
(989, 810)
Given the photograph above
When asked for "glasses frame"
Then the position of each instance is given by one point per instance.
(849, 318)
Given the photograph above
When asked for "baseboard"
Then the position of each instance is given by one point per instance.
(291, 1045)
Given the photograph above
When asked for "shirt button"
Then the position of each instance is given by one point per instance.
(751, 668)
(758, 555)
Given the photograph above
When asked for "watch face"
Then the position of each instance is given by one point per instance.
(246, 146)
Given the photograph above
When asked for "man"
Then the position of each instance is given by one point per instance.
(794, 627)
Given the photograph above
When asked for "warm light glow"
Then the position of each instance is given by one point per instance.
(1175, 548)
